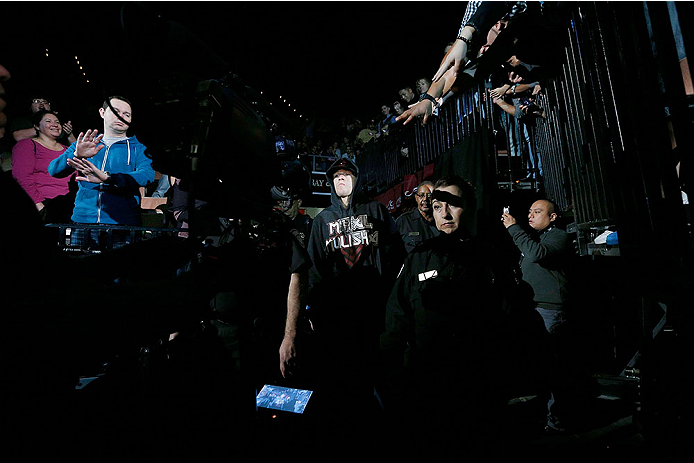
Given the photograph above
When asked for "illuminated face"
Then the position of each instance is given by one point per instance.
(385, 110)
(397, 106)
(448, 216)
(423, 198)
(37, 104)
(111, 123)
(289, 206)
(50, 126)
(406, 94)
(344, 182)
(422, 86)
(541, 215)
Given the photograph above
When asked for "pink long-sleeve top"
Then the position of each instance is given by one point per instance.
(31, 170)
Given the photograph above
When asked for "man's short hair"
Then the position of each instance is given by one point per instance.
(553, 208)
(467, 191)
(405, 88)
(108, 100)
(425, 182)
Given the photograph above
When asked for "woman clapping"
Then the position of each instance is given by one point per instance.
(30, 159)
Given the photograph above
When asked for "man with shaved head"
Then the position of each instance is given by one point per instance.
(545, 258)
(544, 253)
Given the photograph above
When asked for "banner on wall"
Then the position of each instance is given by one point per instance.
(401, 194)
(392, 199)
(410, 184)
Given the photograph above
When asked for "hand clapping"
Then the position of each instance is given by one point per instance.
(88, 171)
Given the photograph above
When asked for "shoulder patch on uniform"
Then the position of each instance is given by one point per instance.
(430, 274)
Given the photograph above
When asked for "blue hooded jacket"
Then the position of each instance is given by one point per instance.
(118, 201)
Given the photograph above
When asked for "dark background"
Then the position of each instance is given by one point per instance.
(328, 59)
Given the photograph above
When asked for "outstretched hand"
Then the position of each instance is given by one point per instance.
(514, 78)
(88, 144)
(453, 60)
(88, 172)
(422, 109)
(498, 92)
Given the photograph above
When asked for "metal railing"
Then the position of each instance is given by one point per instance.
(603, 159)
(66, 233)
(408, 148)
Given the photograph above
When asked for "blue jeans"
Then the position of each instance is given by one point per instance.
(100, 239)
(559, 364)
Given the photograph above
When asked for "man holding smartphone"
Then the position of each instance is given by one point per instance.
(545, 259)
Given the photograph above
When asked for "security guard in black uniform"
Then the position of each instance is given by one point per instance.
(437, 347)
(418, 225)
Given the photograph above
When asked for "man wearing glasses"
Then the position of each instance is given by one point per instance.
(418, 225)
(22, 127)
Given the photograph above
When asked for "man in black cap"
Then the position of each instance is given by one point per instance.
(356, 250)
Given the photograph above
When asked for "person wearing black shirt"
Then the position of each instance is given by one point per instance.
(418, 225)
(439, 346)
(356, 251)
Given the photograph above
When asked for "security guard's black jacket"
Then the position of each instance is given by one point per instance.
(444, 308)
(414, 229)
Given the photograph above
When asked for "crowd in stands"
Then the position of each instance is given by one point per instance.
(348, 138)
(368, 289)
(350, 135)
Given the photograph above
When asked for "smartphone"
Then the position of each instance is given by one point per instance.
(506, 210)
(283, 398)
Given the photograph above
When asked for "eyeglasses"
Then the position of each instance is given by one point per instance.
(37, 101)
(424, 195)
